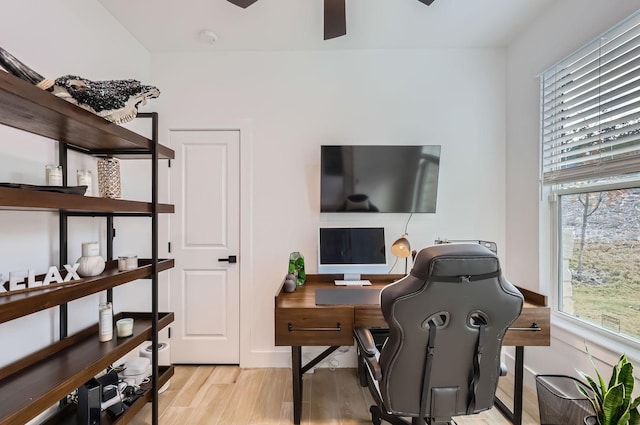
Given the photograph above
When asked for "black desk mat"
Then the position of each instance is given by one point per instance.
(337, 296)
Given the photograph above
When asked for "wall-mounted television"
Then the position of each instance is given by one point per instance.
(379, 178)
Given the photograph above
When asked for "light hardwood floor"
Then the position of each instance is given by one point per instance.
(229, 395)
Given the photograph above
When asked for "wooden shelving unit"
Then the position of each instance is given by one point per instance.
(40, 380)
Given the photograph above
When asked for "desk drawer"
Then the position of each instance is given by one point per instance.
(521, 335)
(314, 326)
(369, 316)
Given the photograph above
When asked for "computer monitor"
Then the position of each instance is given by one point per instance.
(352, 251)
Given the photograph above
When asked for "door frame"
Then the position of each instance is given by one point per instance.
(245, 262)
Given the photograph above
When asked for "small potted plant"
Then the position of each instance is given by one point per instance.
(612, 403)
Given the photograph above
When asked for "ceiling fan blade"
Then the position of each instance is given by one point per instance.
(427, 2)
(242, 3)
(335, 19)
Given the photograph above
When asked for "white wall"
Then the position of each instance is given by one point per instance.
(56, 38)
(292, 102)
(563, 28)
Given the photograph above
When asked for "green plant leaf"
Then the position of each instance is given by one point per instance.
(594, 387)
(611, 406)
(634, 417)
(584, 389)
(613, 380)
(595, 398)
(600, 380)
(625, 377)
(624, 418)
(589, 395)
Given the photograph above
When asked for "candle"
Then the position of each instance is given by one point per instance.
(84, 179)
(127, 262)
(54, 175)
(124, 327)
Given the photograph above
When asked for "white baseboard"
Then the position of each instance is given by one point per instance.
(281, 357)
(529, 376)
(266, 358)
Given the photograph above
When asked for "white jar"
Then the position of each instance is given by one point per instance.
(91, 263)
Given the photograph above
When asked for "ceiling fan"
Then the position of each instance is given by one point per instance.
(335, 18)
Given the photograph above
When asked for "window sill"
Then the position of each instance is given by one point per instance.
(603, 345)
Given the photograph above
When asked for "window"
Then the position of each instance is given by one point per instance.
(590, 159)
(600, 279)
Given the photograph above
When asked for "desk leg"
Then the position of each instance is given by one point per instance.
(516, 416)
(297, 370)
(518, 385)
(296, 375)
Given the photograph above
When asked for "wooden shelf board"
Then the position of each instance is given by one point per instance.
(37, 111)
(25, 199)
(67, 365)
(21, 304)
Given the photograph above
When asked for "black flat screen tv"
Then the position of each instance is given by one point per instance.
(379, 178)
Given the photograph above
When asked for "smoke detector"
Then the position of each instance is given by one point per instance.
(208, 36)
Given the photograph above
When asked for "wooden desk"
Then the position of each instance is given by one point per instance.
(300, 322)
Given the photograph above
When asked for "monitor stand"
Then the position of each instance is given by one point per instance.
(352, 279)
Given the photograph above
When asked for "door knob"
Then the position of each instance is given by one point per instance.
(231, 259)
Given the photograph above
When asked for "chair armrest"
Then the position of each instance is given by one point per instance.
(368, 351)
(365, 341)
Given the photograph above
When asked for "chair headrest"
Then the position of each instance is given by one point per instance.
(453, 260)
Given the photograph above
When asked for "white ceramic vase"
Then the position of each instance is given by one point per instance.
(91, 263)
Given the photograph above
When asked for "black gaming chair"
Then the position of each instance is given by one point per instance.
(447, 319)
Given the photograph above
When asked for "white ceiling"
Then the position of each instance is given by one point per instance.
(175, 25)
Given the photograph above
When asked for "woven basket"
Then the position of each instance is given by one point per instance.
(109, 177)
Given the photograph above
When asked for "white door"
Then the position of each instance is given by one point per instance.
(204, 288)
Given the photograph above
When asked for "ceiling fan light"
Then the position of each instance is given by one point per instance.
(335, 19)
(242, 3)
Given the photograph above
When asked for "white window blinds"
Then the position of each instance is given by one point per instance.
(590, 110)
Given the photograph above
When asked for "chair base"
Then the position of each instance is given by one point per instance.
(378, 415)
